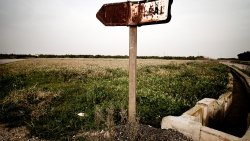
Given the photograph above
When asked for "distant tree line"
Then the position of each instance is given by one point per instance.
(80, 56)
(227, 59)
(27, 56)
(16, 56)
(173, 57)
(245, 56)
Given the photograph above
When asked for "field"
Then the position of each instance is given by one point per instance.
(47, 95)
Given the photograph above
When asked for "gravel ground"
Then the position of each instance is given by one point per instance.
(120, 133)
(135, 133)
(147, 133)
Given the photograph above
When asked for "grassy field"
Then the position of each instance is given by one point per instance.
(47, 95)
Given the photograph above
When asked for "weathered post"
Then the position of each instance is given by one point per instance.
(132, 73)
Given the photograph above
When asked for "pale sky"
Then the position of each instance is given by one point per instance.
(211, 28)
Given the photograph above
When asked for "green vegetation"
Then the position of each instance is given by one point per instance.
(48, 100)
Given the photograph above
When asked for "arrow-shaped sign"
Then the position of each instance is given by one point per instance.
(135, 13)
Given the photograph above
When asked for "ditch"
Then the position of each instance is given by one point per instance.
(235, 122)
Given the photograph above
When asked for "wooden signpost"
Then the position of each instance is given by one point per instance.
(134, 14)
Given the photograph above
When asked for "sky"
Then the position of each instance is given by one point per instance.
(210, 28)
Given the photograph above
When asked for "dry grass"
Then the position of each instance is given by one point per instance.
(80, 64)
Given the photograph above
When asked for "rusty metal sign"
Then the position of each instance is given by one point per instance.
(135, 13)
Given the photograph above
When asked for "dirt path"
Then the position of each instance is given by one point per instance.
(240, 66)
(5, 61)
